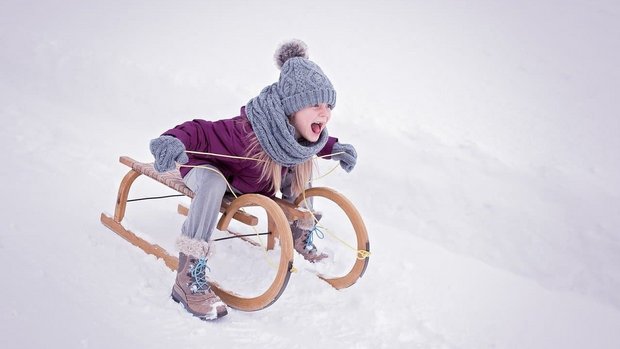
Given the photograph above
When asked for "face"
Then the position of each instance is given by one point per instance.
(311, 121)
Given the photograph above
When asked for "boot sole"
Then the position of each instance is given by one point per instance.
(220, 309)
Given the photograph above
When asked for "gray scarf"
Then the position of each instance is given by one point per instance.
(275, 134)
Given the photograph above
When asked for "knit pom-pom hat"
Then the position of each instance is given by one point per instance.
(302, 83)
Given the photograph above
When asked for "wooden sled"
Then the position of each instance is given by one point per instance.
(279, 214)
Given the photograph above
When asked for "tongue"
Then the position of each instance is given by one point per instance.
(316, 128)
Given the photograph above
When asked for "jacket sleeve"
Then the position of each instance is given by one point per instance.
(328, 148)
(193, 134)
(219, 137)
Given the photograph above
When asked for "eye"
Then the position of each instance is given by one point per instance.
(328, 106)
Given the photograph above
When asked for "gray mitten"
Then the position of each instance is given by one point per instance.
(348, 158)
(167, 150)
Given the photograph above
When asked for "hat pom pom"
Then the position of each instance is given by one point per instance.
(290, 49)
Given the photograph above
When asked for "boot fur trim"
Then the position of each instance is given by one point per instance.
(194, 247)
(307, 224)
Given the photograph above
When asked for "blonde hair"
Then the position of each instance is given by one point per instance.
(272, 171)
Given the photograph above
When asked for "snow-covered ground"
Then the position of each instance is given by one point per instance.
(487, 175)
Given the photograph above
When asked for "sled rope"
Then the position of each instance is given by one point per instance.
(216, 171)
(222, 155)
(361, 254)
(258, 160)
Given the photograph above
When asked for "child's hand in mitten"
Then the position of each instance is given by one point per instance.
(167, 150)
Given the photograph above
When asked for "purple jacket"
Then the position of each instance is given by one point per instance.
(227, 137)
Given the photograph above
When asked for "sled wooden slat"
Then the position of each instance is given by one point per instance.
(172, 262)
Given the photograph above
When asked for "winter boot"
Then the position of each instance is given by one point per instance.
(191, 288)
(303, 234)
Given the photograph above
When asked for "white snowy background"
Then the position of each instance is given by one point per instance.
(488, 171)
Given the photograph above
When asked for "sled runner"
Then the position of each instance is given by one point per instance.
(277, 215)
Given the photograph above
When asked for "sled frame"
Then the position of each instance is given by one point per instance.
(280, 214)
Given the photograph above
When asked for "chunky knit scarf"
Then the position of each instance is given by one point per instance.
(275, 134)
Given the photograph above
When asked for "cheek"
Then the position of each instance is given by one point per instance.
(308, 118)
(294, 120)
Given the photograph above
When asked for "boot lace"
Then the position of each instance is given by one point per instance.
(319, 233)
(199, 273)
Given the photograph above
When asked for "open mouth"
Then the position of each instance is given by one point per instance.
(317, 127)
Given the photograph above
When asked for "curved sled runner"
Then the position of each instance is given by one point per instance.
(279, 214)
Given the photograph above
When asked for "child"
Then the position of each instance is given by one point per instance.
(282, 129)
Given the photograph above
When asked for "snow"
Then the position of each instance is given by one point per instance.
(487, 175)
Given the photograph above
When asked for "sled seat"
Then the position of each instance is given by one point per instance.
(171, 178)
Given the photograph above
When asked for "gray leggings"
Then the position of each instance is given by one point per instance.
(209, 187)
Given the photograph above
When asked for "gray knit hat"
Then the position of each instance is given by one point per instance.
(301, 84)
